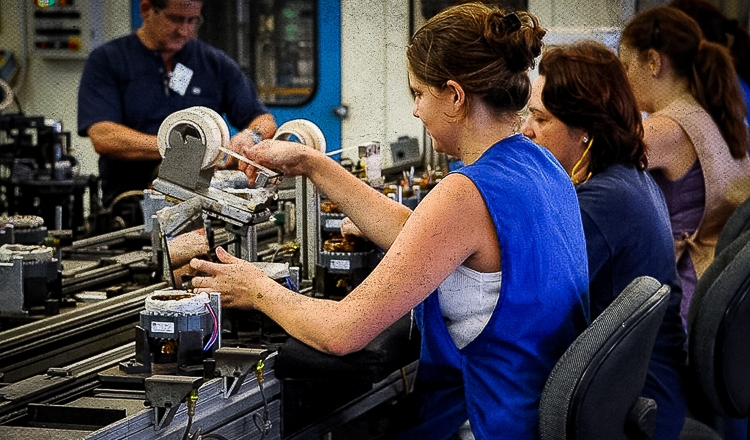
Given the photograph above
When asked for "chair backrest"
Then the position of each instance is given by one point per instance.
(719, 331)
(595, 383)
(737, 223)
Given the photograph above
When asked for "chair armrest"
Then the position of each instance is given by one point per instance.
(641, 421)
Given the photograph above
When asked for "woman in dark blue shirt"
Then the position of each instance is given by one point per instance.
(583, 110)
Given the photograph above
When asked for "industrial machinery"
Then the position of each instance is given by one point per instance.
(343, 261)
(138, 355)
(177, 332)
(191, 141)
(39, 176)
(64, 29)
(31, 278)
(22, 229)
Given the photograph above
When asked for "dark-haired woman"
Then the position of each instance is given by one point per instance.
(728, 32)
(494, 257)
(583, 110)
(696, 137)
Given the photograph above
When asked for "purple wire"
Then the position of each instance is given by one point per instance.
(215, 332)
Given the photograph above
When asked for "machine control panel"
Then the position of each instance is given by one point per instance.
(67, 29)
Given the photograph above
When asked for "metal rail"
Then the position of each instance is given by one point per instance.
(72, 336)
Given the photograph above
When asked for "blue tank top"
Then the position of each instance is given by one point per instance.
(496, 381)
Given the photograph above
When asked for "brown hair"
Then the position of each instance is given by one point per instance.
(485, 49)
(718, 28)
(163, 4)
(707, 66)
(585, 86)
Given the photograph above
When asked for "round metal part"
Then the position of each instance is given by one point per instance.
(169, 312)
(22, 221)
(29, 253)
(303, 130)
(6, 95)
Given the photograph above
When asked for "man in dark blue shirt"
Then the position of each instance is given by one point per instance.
(131, 84)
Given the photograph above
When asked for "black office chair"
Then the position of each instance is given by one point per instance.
(695, 430)
(719, 337)
(593, 391)
(738, 223)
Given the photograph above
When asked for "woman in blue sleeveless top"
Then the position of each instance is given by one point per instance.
(493, 259)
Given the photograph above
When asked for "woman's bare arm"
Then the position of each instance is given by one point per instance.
(668, 146)
(450, 226)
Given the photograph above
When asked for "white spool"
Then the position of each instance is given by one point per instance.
(306, 131)
(216, 117)
(211, 127)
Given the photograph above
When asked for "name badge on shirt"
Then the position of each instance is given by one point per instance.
(180, 78)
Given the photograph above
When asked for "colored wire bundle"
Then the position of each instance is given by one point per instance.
(215, 332)
(290, 284)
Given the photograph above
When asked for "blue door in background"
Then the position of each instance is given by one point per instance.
(291, 49)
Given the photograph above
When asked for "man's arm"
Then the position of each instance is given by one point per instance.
(101, 107)
(121, 142)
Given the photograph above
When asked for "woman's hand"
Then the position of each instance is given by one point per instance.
(237, 280)
(291, 158)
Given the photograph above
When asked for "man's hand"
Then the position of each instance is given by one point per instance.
(244, 138)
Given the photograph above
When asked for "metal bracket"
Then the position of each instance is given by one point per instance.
(166, 393)
(234, 364)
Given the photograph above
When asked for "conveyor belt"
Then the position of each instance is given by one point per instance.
(61, 379)
(88, 391)
(74, 335)
(73, 379)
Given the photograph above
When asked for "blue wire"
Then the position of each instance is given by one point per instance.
(291, 284)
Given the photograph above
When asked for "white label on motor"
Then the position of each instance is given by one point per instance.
(340, 264)
(162, 327)
(333, 223)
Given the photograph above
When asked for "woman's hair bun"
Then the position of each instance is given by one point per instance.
(508, 24)
(516, 37)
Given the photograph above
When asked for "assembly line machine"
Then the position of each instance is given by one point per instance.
(102, 337)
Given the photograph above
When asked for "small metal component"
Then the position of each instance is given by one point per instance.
(166, 393)
(262, 421)
(341, 112)
(26, 271)
(58, 372)
(235, 364)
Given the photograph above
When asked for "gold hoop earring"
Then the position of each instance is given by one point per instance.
(576, 167)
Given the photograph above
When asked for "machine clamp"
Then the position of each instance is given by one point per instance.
(165, 394)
